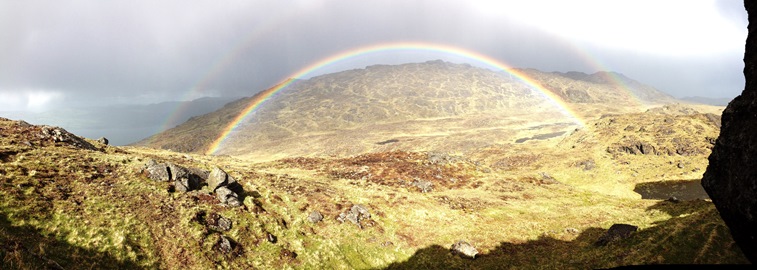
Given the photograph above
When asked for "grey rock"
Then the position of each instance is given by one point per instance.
(233, 202)
(223, 194)
(315, 217)
(464, 249)
(217, 178)
(176, 172)
(271, 238)
(423, 185)
(103, 140)
(157, 171)
(225, 244)
(361, 210)
(182, 185)
(356, 214)
(224, 224)
(616, 232)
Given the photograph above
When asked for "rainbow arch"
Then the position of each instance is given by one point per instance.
(262, 97)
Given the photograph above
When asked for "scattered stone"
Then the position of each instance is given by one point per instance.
(103, 140)
(285, 253)
(224, 224)
(225, 244)
(545, 176)
(356, 214)
(423, 185)
(271, 238)
(572, 230)
(616, 232)
(587, 165)
(315, 217)
(680, 165)
(362, 211)
(673, 199)
(464, 250)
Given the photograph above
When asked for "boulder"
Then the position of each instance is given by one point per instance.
(103, 140)
(156, 171)
(616, 232)
(315, 217)
(225, 245)
(217, 178)
(464, 249)
(227, 196)
(731, 176)
(176, 172)
(182, 185)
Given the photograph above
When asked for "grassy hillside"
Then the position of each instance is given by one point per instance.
(540, 203)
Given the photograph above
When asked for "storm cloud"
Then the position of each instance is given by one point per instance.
(82, 53)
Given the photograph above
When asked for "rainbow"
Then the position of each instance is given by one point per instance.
(432, 47)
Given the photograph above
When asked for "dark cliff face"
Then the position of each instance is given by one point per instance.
(731, 177)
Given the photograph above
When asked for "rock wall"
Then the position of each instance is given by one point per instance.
(731, 177)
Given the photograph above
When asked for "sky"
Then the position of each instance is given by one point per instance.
(56, 54)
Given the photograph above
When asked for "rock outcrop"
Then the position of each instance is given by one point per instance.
(225, 187)
(356, 215)
(731, 177)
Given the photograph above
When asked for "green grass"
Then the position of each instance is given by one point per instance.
(93, 209)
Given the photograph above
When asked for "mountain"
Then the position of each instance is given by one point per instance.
(616, 88)
(434, 105)
(123, 124)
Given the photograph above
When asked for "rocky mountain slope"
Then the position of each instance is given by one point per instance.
(422, 106)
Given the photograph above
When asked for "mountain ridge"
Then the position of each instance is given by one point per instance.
(390, 99)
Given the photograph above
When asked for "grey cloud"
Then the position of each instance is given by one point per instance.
(114, 51)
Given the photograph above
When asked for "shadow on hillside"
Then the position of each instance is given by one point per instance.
(681, 189)
(694, 235)
(25, 247)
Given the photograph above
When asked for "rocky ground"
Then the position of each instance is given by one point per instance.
(547, 202)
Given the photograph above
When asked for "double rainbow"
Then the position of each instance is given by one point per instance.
(399, 46)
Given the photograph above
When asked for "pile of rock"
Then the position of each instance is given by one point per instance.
(225, 187)
(356, 214)
(57, 134)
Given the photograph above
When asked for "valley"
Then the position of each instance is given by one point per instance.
(524, 183)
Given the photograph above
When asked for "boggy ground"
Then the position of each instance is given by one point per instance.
(535, 204)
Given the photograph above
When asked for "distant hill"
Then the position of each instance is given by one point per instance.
(123, 124)
(417, 106)
(708, 101)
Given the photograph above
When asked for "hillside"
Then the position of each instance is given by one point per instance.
(431, 106)
(546, 201)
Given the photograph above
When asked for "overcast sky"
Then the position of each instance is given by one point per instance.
(79, 53)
